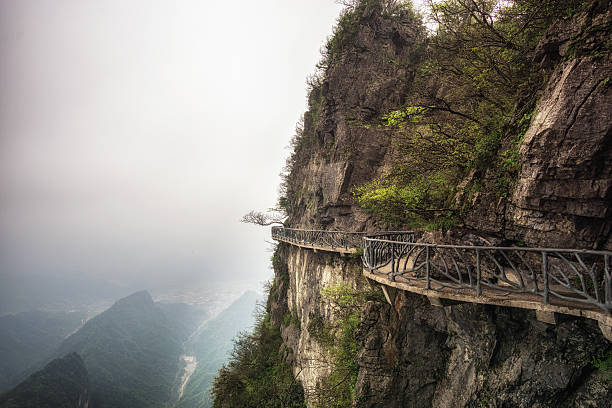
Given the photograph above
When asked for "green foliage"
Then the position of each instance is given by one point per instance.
(320, 330)
(345, 30)
(351, 19)
(338, 389)
(508, 162)
(277, 261)
(419, 200)
(290, 318)
(470, 105)
(510, 158)
(356, 256)
(317, 104)
(257, 375)
(347, 27)
(345, 299)
(603, 363)
(273, 291)
(485, 149)
(400, 118)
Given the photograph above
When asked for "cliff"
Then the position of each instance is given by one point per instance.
(414, 354)
(557, 194)
(494, 130)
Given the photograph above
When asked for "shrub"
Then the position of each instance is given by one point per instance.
(256, 374)
(603, 363)
(338, 389)
(419, 200)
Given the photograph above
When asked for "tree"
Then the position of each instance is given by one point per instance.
(264, 219)
(474, 90)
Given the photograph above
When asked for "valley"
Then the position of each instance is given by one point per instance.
(137, 353)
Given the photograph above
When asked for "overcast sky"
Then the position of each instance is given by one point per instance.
(135, 134)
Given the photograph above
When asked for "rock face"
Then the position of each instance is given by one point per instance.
(564, 193)
(563, 196)
(366, 83)
(309, 273)
(474, 355)
(568, 194)
(411, 353)
(415, 355)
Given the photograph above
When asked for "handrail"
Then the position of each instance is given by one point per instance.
(319, 238)
(575, 275)
(335, 239)
(533, 249)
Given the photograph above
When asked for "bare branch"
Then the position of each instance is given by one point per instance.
(263, 219)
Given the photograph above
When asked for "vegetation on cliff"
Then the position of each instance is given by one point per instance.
(339, 339)
(469, 106)
(257, 374)
(464, 98)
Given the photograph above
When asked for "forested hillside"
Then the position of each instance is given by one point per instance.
(63, 383)
(28, 338)
(131, 352)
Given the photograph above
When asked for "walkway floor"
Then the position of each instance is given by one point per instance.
(493, 297)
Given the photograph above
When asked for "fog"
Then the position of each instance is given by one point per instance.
(135, 134)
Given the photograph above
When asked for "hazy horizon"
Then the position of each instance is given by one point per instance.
(134, 135)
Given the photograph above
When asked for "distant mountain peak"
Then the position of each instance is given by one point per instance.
(142, 297)
(72, 357)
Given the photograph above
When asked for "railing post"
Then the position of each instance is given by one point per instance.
(545, 274)
(364, 255)
(478, 288)
(427, 267)
(392, 262)
(607, 282)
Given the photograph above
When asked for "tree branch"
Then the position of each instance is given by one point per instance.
(263, 219)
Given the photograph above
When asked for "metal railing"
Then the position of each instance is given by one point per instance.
(574, 275)
(319, 238)
(336, 239)
(396, 236)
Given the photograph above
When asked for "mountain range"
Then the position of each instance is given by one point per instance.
(131, 355)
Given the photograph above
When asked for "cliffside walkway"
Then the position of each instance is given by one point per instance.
(548, 280)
